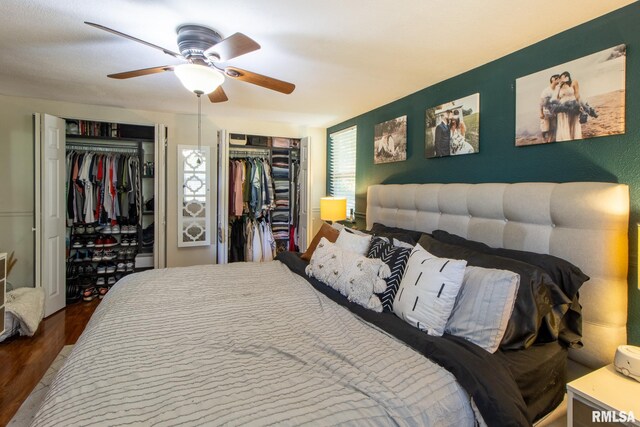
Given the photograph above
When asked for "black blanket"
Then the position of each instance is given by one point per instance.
(480, 373)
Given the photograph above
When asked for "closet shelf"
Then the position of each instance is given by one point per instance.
(73, 136)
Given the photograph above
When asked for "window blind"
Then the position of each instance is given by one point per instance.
(342, 166)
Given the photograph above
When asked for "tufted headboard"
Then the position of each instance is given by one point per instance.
(585, 223)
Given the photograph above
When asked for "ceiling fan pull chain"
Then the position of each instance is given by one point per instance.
(199, 127)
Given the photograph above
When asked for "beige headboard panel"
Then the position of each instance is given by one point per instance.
(585, 223)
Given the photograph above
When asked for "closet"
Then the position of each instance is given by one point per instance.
(262, 196)
(99, 205)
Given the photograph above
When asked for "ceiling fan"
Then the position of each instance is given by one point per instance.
(205, 47)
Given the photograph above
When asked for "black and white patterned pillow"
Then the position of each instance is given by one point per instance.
(396, 258)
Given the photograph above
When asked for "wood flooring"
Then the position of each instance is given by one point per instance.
(24, 360)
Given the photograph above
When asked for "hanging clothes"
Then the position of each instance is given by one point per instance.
(257, 243)
(251, 188)
(260, 192)
(103, 188)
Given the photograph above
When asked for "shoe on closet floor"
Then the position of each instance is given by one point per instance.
(130, 267)
(90, 243)
(111, 281)
(82, 256)
(102, 269)
(77, 243)
(109, 241)
(109, 255)
(78, 229)
(88, 293)
(111, 268)
(97, 255)
(115, 229)
(90, 229)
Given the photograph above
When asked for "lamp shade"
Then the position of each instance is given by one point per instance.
(333, 208)
(198, 78)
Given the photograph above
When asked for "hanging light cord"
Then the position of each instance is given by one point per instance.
(199, 94)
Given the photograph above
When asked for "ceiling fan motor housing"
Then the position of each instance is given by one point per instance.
(193, 40)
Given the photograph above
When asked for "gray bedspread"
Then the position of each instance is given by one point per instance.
(242, 344)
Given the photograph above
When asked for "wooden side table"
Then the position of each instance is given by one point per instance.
(604, 396)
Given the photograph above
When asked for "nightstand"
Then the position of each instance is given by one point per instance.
(591, 396)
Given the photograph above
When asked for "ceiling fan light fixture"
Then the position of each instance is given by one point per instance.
(198, 78)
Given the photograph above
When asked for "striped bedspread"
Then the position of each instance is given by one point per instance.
(242, 344)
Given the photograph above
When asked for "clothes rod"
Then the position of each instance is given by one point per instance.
(103, 148)
(234, 147)
(251, 153)
(244, 148)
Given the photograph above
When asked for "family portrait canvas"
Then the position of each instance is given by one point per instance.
(580, 99)
(390, 141)
(453, 128)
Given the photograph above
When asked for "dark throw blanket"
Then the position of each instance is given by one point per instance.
(480, 373)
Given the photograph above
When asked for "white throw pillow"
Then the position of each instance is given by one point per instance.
(401, 244)
(428, 290)
(354, 243)
(356, 277)
(484, 305)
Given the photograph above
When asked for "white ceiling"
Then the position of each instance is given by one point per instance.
(346, 57)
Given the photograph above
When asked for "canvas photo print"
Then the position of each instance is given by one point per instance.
(580, 99)
(453, 128)
(390, 141)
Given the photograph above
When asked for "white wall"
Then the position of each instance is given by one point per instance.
(16, 168)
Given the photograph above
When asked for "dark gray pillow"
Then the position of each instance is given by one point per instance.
(533, 301)
(407, 236)
(566, 282)
(396, 258)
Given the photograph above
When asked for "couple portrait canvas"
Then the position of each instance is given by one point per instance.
(579, 99)
(390, 141)
(453, 128)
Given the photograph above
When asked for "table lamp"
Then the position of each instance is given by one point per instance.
(333, 209)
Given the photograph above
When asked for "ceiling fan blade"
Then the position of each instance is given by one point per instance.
(218, 95)
(127, 36)
(259, 79)
(233, 46)
(142, 72)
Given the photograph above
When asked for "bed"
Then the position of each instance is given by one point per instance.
(258, 344)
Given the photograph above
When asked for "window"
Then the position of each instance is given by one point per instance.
(342, 166)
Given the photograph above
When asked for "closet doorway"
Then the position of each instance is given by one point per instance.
(81, 240)
(263, 197)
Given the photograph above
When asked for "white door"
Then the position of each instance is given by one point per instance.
(160, 192)
(223, 198)
(303, 182)
(50, 211)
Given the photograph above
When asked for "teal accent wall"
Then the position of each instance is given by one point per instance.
(609, 159)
